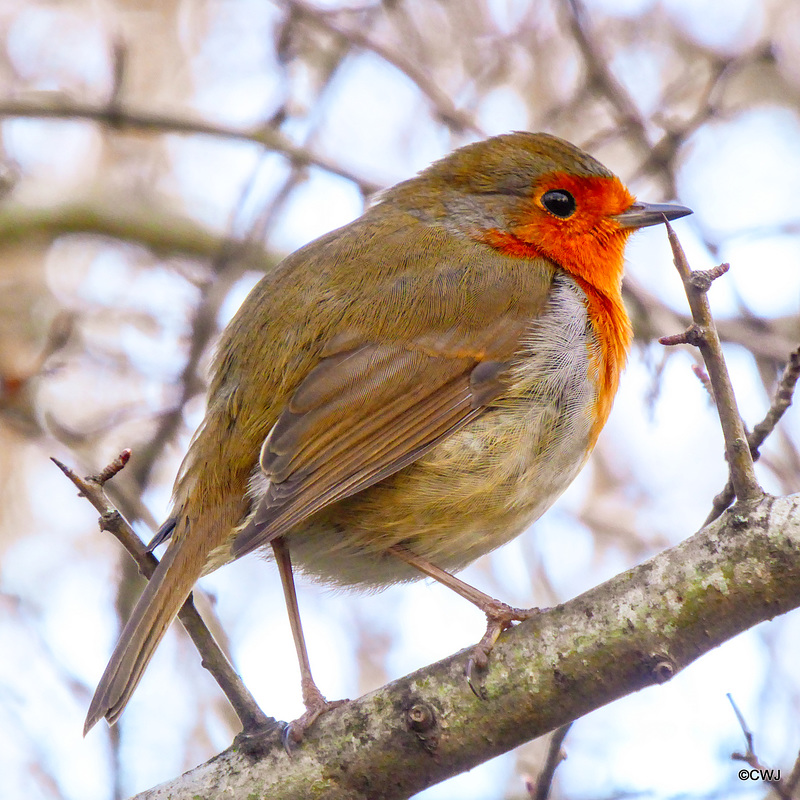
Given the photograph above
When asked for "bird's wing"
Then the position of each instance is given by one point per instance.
(362, 414)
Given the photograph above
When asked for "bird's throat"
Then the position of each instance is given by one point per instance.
(606, 311)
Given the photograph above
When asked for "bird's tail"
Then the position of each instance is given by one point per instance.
(157, 607)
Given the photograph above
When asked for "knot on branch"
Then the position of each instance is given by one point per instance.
(110, 521)
(663, 667)
(702, 279)
(421, 720)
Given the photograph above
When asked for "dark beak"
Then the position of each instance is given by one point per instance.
(640, 215)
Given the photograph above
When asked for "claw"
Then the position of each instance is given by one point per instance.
(477, 689)
(287, 738)
(499, 617)
(294, 732)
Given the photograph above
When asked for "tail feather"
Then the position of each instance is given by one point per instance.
(157, 607)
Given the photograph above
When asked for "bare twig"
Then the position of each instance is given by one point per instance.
(703, 334)
(456, 119)
(653, 315)
(555, 755)
(213, 659)
(203, 330)
(793, 781)
(780, 403)
(119, 55)
(748, 734)
(750, 757)
(600, 76)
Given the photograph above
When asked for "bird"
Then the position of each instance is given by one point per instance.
(406, 393)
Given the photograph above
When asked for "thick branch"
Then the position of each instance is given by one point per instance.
(637, 629)
(155, 228)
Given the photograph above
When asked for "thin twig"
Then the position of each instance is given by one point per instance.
(780, 403)
(600, 75)
(702, 376)
(213, 659)
(555, 755)
(793, 781)
(703, 334)
(748, 734)
(456, 119)
(749, 757)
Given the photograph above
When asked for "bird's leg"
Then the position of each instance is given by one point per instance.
(313, 698)
(499, 616)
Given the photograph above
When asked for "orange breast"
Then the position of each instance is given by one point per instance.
(601, 289)
(613, 331)
(486, 482)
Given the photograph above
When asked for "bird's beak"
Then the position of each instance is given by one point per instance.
(640, 215)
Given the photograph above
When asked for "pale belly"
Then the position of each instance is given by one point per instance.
(483, 485)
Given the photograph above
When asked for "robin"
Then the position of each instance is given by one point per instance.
(408, 392)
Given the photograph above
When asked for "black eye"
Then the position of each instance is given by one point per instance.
(559, 202)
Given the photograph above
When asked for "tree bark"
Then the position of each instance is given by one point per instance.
(637, 629)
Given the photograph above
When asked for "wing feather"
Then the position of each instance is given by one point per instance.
(357, 418)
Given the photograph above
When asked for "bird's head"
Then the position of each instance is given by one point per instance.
(535, 195)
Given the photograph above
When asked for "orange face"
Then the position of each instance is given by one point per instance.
(571, 222)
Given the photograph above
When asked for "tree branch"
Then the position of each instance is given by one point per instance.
(456, 119)
(50, 105)
(214, 660)
(555, 755)
(637, 629)
(158, 229)
(780, 403)
(703, 334)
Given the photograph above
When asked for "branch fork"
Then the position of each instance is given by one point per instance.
(703, 334)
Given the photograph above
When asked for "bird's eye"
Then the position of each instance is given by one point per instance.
(559, 202)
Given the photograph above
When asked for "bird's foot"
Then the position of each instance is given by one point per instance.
(316, 705)
(499, 617)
